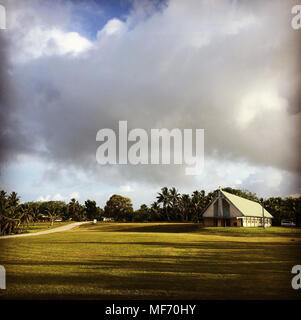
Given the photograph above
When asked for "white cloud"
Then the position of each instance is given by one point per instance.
(40, 42)
(238, 23)
(258, 101)
(75, 195)
(126, 188)
(274, 178)
(237, 182)
(46, 198)
(58, 197)
(113, 26)
(295, 195)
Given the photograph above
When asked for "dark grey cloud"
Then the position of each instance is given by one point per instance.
(13, 140)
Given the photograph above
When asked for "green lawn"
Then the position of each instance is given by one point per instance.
(152, 260)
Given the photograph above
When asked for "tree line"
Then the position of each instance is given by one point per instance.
(169, 205)
(15, 216)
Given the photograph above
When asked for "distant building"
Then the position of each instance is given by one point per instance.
(228, 210)
(288, 223)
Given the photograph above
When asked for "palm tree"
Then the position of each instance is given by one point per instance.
(35, 213)
(53, 214)
(75, 210)
(13, 199)
(174, 197)
(164, 198)
(198, 203)
(25, 215)
(10, 217)
(185, 207)
(155, 210)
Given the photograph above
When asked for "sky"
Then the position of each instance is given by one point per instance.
(70, 68)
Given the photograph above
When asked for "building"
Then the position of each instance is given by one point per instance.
(288, 223)
(228, 210)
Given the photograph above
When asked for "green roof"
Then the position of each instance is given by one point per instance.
(247, 207)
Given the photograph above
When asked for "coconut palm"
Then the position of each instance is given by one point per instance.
(198, 202)
(185, 207)
(174, 198)
(156, 211)
(10, 217)
(164, 198)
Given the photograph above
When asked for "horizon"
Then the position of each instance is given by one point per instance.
(82, 201)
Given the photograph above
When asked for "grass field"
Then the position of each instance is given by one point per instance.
(152, 261)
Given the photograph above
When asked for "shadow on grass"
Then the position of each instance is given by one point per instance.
(194, 270)
(189, 228)
(187, 257)
(178, 281)
(207, 245)
(145, 227)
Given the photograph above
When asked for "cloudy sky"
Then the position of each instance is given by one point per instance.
(70, 68)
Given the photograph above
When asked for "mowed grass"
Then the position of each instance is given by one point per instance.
(152, 261)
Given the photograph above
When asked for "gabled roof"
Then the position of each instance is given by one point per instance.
(247, 207)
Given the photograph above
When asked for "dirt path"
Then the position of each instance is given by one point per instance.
(58, 229)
